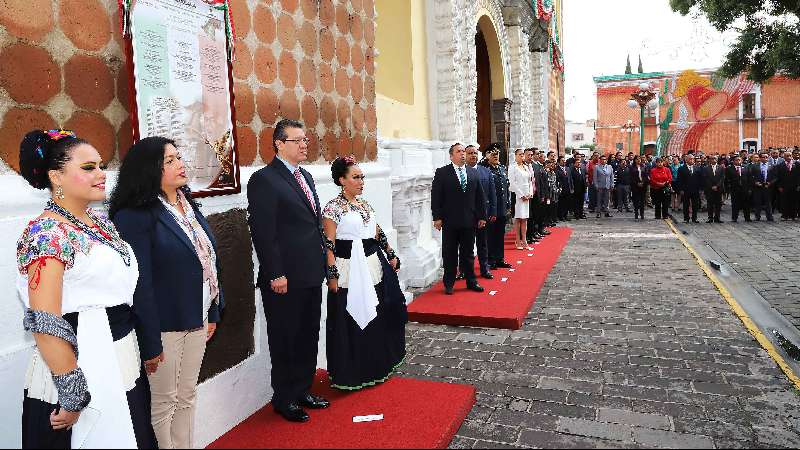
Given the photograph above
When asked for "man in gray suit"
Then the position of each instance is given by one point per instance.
(603, 183)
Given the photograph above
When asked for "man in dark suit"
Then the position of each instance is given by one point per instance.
(539, 207)
(285, 224)
(496, 229)
(738, 182)
(490, 206)
(578, 179)
(536, 208)
(714, 184)
(761, 185)
(565, 202)
(457, 204)
(785, 180)
(690, 181)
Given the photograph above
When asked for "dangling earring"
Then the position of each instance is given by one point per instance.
(59, 193)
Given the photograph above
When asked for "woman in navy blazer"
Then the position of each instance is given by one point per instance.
(178, 298)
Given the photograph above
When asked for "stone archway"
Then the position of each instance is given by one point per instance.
(492, 105)
(483, 97)
(455, 79)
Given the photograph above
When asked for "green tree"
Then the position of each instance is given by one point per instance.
(769, 34)
(641, 68)
(628, 69)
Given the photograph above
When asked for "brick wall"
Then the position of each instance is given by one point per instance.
(557, 124)
(62, 64)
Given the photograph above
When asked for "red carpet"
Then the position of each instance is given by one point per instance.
(512, 299)
(417, 414)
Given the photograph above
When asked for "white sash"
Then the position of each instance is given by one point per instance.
(106, 423)
(362, 300)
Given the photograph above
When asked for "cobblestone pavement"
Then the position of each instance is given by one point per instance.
(628, 345)
(764, 254)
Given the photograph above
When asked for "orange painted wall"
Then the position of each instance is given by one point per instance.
(311, 60)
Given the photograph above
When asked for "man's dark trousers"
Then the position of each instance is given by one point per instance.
(293, 335)
(496, 232)
(762, 201)
(740, 201)
(457, 245)
(482, 244)
(714, 199)
(693, 200)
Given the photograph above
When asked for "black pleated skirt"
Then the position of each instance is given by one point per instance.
(362, 358)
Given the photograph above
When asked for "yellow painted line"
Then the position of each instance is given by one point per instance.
(738, 310)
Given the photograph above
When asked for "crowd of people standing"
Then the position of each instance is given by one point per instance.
(756, 184)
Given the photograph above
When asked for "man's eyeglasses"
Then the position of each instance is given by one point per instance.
(303, 140)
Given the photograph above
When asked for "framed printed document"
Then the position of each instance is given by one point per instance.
(178, 53)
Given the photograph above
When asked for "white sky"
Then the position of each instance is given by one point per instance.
(599, 34)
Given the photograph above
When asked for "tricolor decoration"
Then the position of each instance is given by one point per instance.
(220, 5)
(546, 12)
(224, 5)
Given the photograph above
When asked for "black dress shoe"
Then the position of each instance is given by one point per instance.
(475, 287)
(311, 401)
(460, 277)
(504, 265)
(293, 413)
(546, 233)
(448, 290)
(487, 275)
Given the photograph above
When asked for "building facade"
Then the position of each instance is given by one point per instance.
(580, 134)
(698, 110)
(393, 82)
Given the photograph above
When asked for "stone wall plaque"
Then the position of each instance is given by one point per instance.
(233, 342)
(178, 55)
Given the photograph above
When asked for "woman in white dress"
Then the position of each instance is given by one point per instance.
(84, 387)
(366, 309)
(520, 179)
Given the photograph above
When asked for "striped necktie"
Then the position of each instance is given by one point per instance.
(299, 177)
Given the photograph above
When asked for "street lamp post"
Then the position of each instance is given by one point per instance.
(642, 98)
(629, 128)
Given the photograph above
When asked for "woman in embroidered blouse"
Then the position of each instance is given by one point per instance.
(84, 386)
(178, 299)
(366, 308)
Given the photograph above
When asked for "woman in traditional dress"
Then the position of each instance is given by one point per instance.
(178, 300)
(366, 308)
(85, 387)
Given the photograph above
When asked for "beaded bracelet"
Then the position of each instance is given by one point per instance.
(333, 273)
